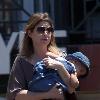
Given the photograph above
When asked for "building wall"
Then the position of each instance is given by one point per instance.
(92, 82)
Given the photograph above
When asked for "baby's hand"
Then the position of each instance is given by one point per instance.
(74, 82)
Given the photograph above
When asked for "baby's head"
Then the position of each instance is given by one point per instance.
(81, 62)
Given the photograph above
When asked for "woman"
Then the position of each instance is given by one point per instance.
(38, 44)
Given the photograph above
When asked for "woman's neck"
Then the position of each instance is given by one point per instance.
(38, 56)
(40, 52)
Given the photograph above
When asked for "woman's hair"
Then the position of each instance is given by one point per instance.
(27, 48)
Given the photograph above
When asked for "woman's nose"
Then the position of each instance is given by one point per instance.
(45, 32)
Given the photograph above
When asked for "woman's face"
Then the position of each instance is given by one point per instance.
(41, 35)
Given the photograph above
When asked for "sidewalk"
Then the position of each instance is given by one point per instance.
(2, 98)
(89, 95)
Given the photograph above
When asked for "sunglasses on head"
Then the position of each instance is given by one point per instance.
(43, 29)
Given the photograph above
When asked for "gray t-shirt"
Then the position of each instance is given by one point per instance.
(20, 75)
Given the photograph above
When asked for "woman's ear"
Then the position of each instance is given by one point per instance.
(29, 33)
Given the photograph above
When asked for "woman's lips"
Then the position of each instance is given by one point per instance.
(45, 39)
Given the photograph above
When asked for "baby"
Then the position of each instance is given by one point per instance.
(44, 79)
(81, 62)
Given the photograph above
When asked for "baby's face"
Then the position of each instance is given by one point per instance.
(80, 69)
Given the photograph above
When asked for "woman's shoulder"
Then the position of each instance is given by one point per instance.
(22, 59)
(18, 58)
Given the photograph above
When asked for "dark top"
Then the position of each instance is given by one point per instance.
(20, 75)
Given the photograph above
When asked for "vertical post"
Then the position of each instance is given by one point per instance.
(72, 13)
(41, 5)
(33, 7)
(52, 9)
(84, 7)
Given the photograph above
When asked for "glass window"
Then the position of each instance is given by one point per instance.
(93, 26)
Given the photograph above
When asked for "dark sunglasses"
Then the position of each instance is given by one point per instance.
(43, 29)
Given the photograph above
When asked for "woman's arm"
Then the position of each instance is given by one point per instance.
(54, 93)
(70, 80)
(27, 95)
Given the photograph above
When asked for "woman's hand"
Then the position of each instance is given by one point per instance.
(52, 63)
(55, 93)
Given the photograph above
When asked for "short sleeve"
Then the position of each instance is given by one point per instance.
(16, 80)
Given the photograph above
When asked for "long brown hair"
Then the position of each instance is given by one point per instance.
(27, 48)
